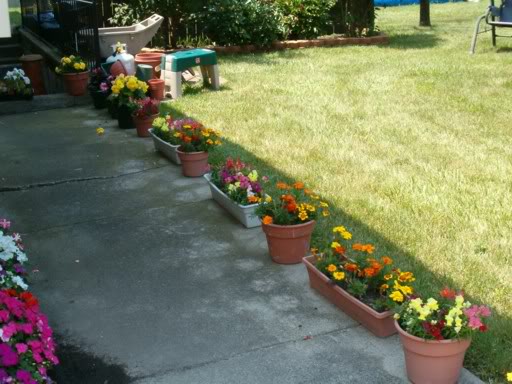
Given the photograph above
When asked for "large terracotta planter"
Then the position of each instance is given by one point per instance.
(193, 164)
(288, 244)
(156, 88)
(381, 324)
(143, 124)
(432, 361)
(76, 83)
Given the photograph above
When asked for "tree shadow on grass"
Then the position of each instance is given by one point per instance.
(412, 41)
(495, 345)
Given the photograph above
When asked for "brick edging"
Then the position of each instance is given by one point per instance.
(381, 39)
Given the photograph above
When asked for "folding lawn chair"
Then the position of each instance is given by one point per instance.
(495, 17)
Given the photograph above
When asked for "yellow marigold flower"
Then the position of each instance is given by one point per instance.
(324, 205)
(339, 229)
(268, 199)
(397, 296)
(346, 235)
(509, 376)
(100, 131)
(325, 213)
(383, 287)
(332, 268)
(303, 215)
(338, 275)
(335, 244)
(177, 134)
(218, 142)
(205, 133)
(389, 276)
(209, 142)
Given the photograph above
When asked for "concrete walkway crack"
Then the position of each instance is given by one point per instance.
(77, 180)
(264, 347)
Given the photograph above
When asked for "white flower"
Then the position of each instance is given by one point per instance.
(5, 340)
(19, 282)
(16, 237)
(26, 80)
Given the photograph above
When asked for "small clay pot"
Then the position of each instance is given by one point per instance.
(288, 244)
(143, 124)
(156, 88)
(76, 83)
(193, 164)
(432, 361)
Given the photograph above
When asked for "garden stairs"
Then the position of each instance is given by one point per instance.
(10, 52)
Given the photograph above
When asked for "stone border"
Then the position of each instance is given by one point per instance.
(381, 39)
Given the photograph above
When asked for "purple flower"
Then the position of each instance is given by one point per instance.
(23, 375)
(21, 348)
(5, 224)
(104, 87)
(19, 269)
(8, 357)
(3, 375)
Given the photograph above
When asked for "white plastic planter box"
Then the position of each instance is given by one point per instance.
(244, 213)
(166, 149)
(134, 36)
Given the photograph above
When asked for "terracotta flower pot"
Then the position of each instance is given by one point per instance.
(156, 88)
(76, 83)
(381, 324)
(117, 69)
(143, 124)
(288, 244)
(193, 164)
(432, 361)
(150, 58)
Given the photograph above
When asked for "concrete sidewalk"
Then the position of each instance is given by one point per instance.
(138, 269)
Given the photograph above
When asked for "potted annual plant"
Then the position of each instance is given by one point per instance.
(16, 86)
(75, 73)
(12, 259)
(288, 221)
(146, 111)
(436, 333)
(364, 286)
(162, 133)
(99, 88)
(128, 89)
(27, 350)
(194, 144)
(236, 186)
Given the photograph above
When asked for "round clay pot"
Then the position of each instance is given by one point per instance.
(117, 69)
(193, 164)
(432, 361)
(143, 124)
(33, 66)
(150, 58)
(125, 118)
(288, 244)
(156, 88)
(76, 83)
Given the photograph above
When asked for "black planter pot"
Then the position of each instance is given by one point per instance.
(113, 109)
(124, 117)
(99, 99)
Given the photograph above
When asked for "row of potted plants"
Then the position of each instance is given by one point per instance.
(435, 332)
(27, 351)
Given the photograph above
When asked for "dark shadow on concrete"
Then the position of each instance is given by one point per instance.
(80, 367)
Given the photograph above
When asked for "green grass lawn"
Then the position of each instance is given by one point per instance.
(411, 143)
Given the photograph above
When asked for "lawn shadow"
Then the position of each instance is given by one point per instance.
(263, 57)
(429, 283)
(412, 41)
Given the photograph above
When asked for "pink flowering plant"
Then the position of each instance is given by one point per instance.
(239, 181)
(12, 259)
(450, 316)
(27, 350)
(146, 107)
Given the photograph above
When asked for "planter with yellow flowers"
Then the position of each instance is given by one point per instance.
(289, 221)
(75, 74)
(127, 90)
(366, 287)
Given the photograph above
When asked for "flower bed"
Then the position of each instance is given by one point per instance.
(27, 351)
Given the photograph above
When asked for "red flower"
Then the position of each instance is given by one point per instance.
(29, 299)
(448, 293)
(483, 328)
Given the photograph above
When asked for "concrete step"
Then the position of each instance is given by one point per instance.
(10, 60)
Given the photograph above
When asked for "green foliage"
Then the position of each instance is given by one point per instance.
(239, 22)
(354, 17)
(305, 18)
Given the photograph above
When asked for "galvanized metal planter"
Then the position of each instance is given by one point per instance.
(166, 149)
(243, 213)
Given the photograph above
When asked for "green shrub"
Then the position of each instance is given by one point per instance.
(239, 22)
(306, 19)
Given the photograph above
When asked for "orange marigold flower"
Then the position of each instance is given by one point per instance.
(267, 220)
(383, 287)
(281, 185)
(298, 185)
(308, 191)
(253, 199)
(406, 277)
(369, 272)
(291, 207)
(387, 260)
(341, 250)
(332, 268)
(351, 267)
(363, 248)
(377, 266)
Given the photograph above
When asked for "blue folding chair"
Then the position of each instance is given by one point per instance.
(495, 17)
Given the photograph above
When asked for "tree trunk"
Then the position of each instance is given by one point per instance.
(424, 13)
